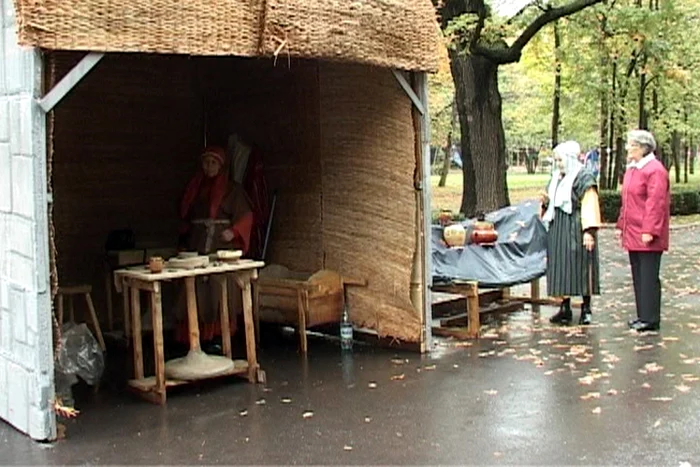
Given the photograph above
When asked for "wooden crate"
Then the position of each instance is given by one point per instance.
(302, 300)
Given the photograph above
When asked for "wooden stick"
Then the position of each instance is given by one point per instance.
(249, 331)
(192, 318)
(157, 315)
(136, 332)
(60, 310)
(225, 326)
(474, 323)
(535, 289)
(95, 322)
(256, 310)
(125, 309)
(302, 299)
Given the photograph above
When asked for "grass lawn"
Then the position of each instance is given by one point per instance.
(521, 186)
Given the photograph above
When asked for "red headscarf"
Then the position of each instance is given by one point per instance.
(218, 185)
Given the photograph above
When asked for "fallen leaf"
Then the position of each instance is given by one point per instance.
(243, 413)
(612, 392)
(455, 366)
(689, 361)
(590, 395)
(308, 414)
(670, 339)
(690, 378)
(260, 402)
(463, 344)
(657, 423)
(548, 372)
(286, 400)
(347, 448)
(653, 367)
(639, 348)
(491, 392)
(368, 419)
(662, 399)
(429, 367)
(597, 410)
(683, 388)
(372, 385)
(586, 380)
(399, 434)
(497, 454)
(398, 377)
(646, 385)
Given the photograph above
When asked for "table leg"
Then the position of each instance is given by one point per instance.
(473, 319)
(249, 328)
(225, 326)
(136, 332)
(157, 314)
(256, 311)
(192, 320)
(108, 291)
(301, 319)
(125, 307)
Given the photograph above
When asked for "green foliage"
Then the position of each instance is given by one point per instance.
(683, 202)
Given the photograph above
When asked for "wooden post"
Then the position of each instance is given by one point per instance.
(505, 293)
(108, 291)
(125, 309)
(95, 322)
(225, 326)
(256, 310)
(136, 332)
(192, 319)
(244, 283)
(59, 305)
(535, 289)
(157, 315)
(473, 322)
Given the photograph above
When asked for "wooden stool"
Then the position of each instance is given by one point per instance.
(79, 290)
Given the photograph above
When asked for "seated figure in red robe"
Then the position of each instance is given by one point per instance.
(216, 215)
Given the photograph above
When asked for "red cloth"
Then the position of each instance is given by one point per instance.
(645, 207)
(242, 232)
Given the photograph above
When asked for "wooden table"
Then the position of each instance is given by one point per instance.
(132, 281)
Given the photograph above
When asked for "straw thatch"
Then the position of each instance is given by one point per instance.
(389, 33)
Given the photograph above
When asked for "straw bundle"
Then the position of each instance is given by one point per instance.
(391, 33)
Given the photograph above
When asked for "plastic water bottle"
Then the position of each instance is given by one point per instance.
(345, 326)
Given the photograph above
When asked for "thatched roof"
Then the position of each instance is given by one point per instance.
(390, 33)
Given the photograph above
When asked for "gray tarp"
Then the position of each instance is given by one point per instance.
(519, 255)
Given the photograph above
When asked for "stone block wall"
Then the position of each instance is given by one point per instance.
(26, 364)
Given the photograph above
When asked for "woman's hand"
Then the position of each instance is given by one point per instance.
(647, 238)
(588, 241)
(227, 235)
(544, 198)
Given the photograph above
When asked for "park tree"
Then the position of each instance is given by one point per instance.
(480, 43)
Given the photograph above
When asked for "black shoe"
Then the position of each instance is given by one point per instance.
(641, 326)
(632, 322)
(563, 316)
(585, 318)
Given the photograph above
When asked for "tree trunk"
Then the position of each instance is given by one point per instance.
(642, 87)
(611, 125)
(448, 148)
(693, 156)
(686, 157)
(557, 85)
(483, 137)
(675, 153)
(604, 111)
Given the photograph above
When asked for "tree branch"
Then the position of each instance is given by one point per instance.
(511, 54)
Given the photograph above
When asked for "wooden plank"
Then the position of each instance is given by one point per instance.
(68, 82)
(134, 283)
(143, 274)
(158, 346)
(249, 332)
(409, 91)
(461, 319)
(136, 338)
(149, 384)
(225, 326)
(192, 319)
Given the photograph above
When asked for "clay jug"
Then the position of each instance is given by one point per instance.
(455, 235)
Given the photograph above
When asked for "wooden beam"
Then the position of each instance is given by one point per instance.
(409, 91)
(69, 81)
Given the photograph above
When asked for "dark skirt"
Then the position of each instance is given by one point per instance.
(571, 269)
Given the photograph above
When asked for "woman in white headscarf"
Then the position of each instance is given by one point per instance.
(572, 214)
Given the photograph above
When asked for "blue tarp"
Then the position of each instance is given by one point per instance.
(519, 255)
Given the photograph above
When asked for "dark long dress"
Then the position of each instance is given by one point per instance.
(571, 269)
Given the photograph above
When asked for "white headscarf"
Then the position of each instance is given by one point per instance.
(559, 191)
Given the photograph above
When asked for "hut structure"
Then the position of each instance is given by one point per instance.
(105, 107)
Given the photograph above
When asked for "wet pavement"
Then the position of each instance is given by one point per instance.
(526, 393)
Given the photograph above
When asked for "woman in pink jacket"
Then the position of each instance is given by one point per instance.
(643, 225)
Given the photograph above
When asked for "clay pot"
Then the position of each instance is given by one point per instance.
(455, 235)
(156, 264)
(445, 217)
(483, 233)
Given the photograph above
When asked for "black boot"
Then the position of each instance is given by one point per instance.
(585, 318)
(563, 316)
